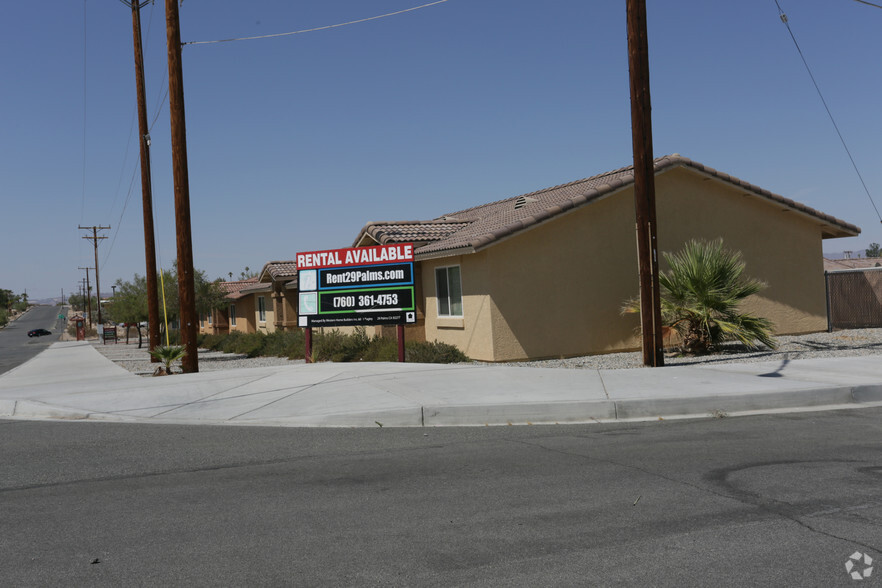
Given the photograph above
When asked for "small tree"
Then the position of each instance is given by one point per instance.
(700, 298)
(874, 250)
(130, 304)
(168, 355)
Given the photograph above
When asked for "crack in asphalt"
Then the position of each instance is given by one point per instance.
(767, 505)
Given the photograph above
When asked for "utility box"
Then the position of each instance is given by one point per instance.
(80, 322)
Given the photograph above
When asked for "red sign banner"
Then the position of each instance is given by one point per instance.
(380, 254)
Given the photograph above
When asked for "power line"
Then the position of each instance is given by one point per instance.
(122, 212)
(783, 17)
(868, 3)
(159, 107)
(333, 26)
(85, 52)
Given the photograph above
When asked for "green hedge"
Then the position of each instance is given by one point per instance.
(331, 346)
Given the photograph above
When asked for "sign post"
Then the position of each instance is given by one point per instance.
(358, 286)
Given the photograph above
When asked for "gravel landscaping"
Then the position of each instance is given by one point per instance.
(849, 343)
(138, 360)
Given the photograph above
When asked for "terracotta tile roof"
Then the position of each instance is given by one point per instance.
(233, 290)
(274, 271)
(419, 232)
(475, 228)
(832, 265)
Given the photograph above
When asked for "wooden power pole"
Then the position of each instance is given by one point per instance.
(186, 278)
(644, 184)
(95, 238)
(87, 294)
(146, 184)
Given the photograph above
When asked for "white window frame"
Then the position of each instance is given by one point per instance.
(261, 309)
(448, 300)
(232, 315)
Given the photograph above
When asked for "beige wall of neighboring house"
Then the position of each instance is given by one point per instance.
(557, 289)
(245, 316)
(279, 281)
(781, 247)
(554, 287)
(473, 331)
(267, 325)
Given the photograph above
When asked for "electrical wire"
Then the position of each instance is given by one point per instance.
(868, 3)
(333, 26)
(85, 53)
(122, 171)
(783, 18)
(121, 214)
(119, 223)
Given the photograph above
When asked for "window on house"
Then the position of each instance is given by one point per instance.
(261, 309)
(448, 286)
(232, 315)
(210, 317)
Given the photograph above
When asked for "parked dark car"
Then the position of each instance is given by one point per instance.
(39, 333)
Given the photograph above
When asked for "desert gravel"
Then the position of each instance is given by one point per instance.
(848, 343)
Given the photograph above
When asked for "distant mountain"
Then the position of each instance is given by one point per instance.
(845, 254)
(46, 301)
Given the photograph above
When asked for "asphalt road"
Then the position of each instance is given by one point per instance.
(15, 345)
(779, 500)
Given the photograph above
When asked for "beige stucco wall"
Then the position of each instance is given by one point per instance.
(783, 249)
(473, 333)
(556, 290)
(245, 315)
(267, 325)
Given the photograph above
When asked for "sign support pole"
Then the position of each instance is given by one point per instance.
(308, 344)
(401, 343)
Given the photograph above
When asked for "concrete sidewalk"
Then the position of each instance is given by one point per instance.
(71, 380)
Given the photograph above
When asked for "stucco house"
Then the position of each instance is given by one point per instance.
(278, 281)
(545, 274)
(242, 314)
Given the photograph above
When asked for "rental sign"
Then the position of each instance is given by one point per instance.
(356, 286)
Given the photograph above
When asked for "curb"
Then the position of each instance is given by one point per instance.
(26, 409)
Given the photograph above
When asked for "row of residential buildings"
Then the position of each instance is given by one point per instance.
(545, 274)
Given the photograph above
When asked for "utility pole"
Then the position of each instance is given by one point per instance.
(95, 238)
(644, 184)
(146, 184)
(88, 294)
(186, 279)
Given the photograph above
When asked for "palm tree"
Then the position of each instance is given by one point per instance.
(168, 355)
(700, 298)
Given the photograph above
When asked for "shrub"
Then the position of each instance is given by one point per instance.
(331, 346)
(174, 336)
(701, 296)
(434, 352)
(212, 342)
(335, 346)
(168, 355)
(290, 344)
(381, 349)
(250, 344)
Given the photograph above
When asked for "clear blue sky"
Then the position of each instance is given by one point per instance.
(296, 142)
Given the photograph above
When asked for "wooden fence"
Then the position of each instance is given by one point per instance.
(854, 298)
